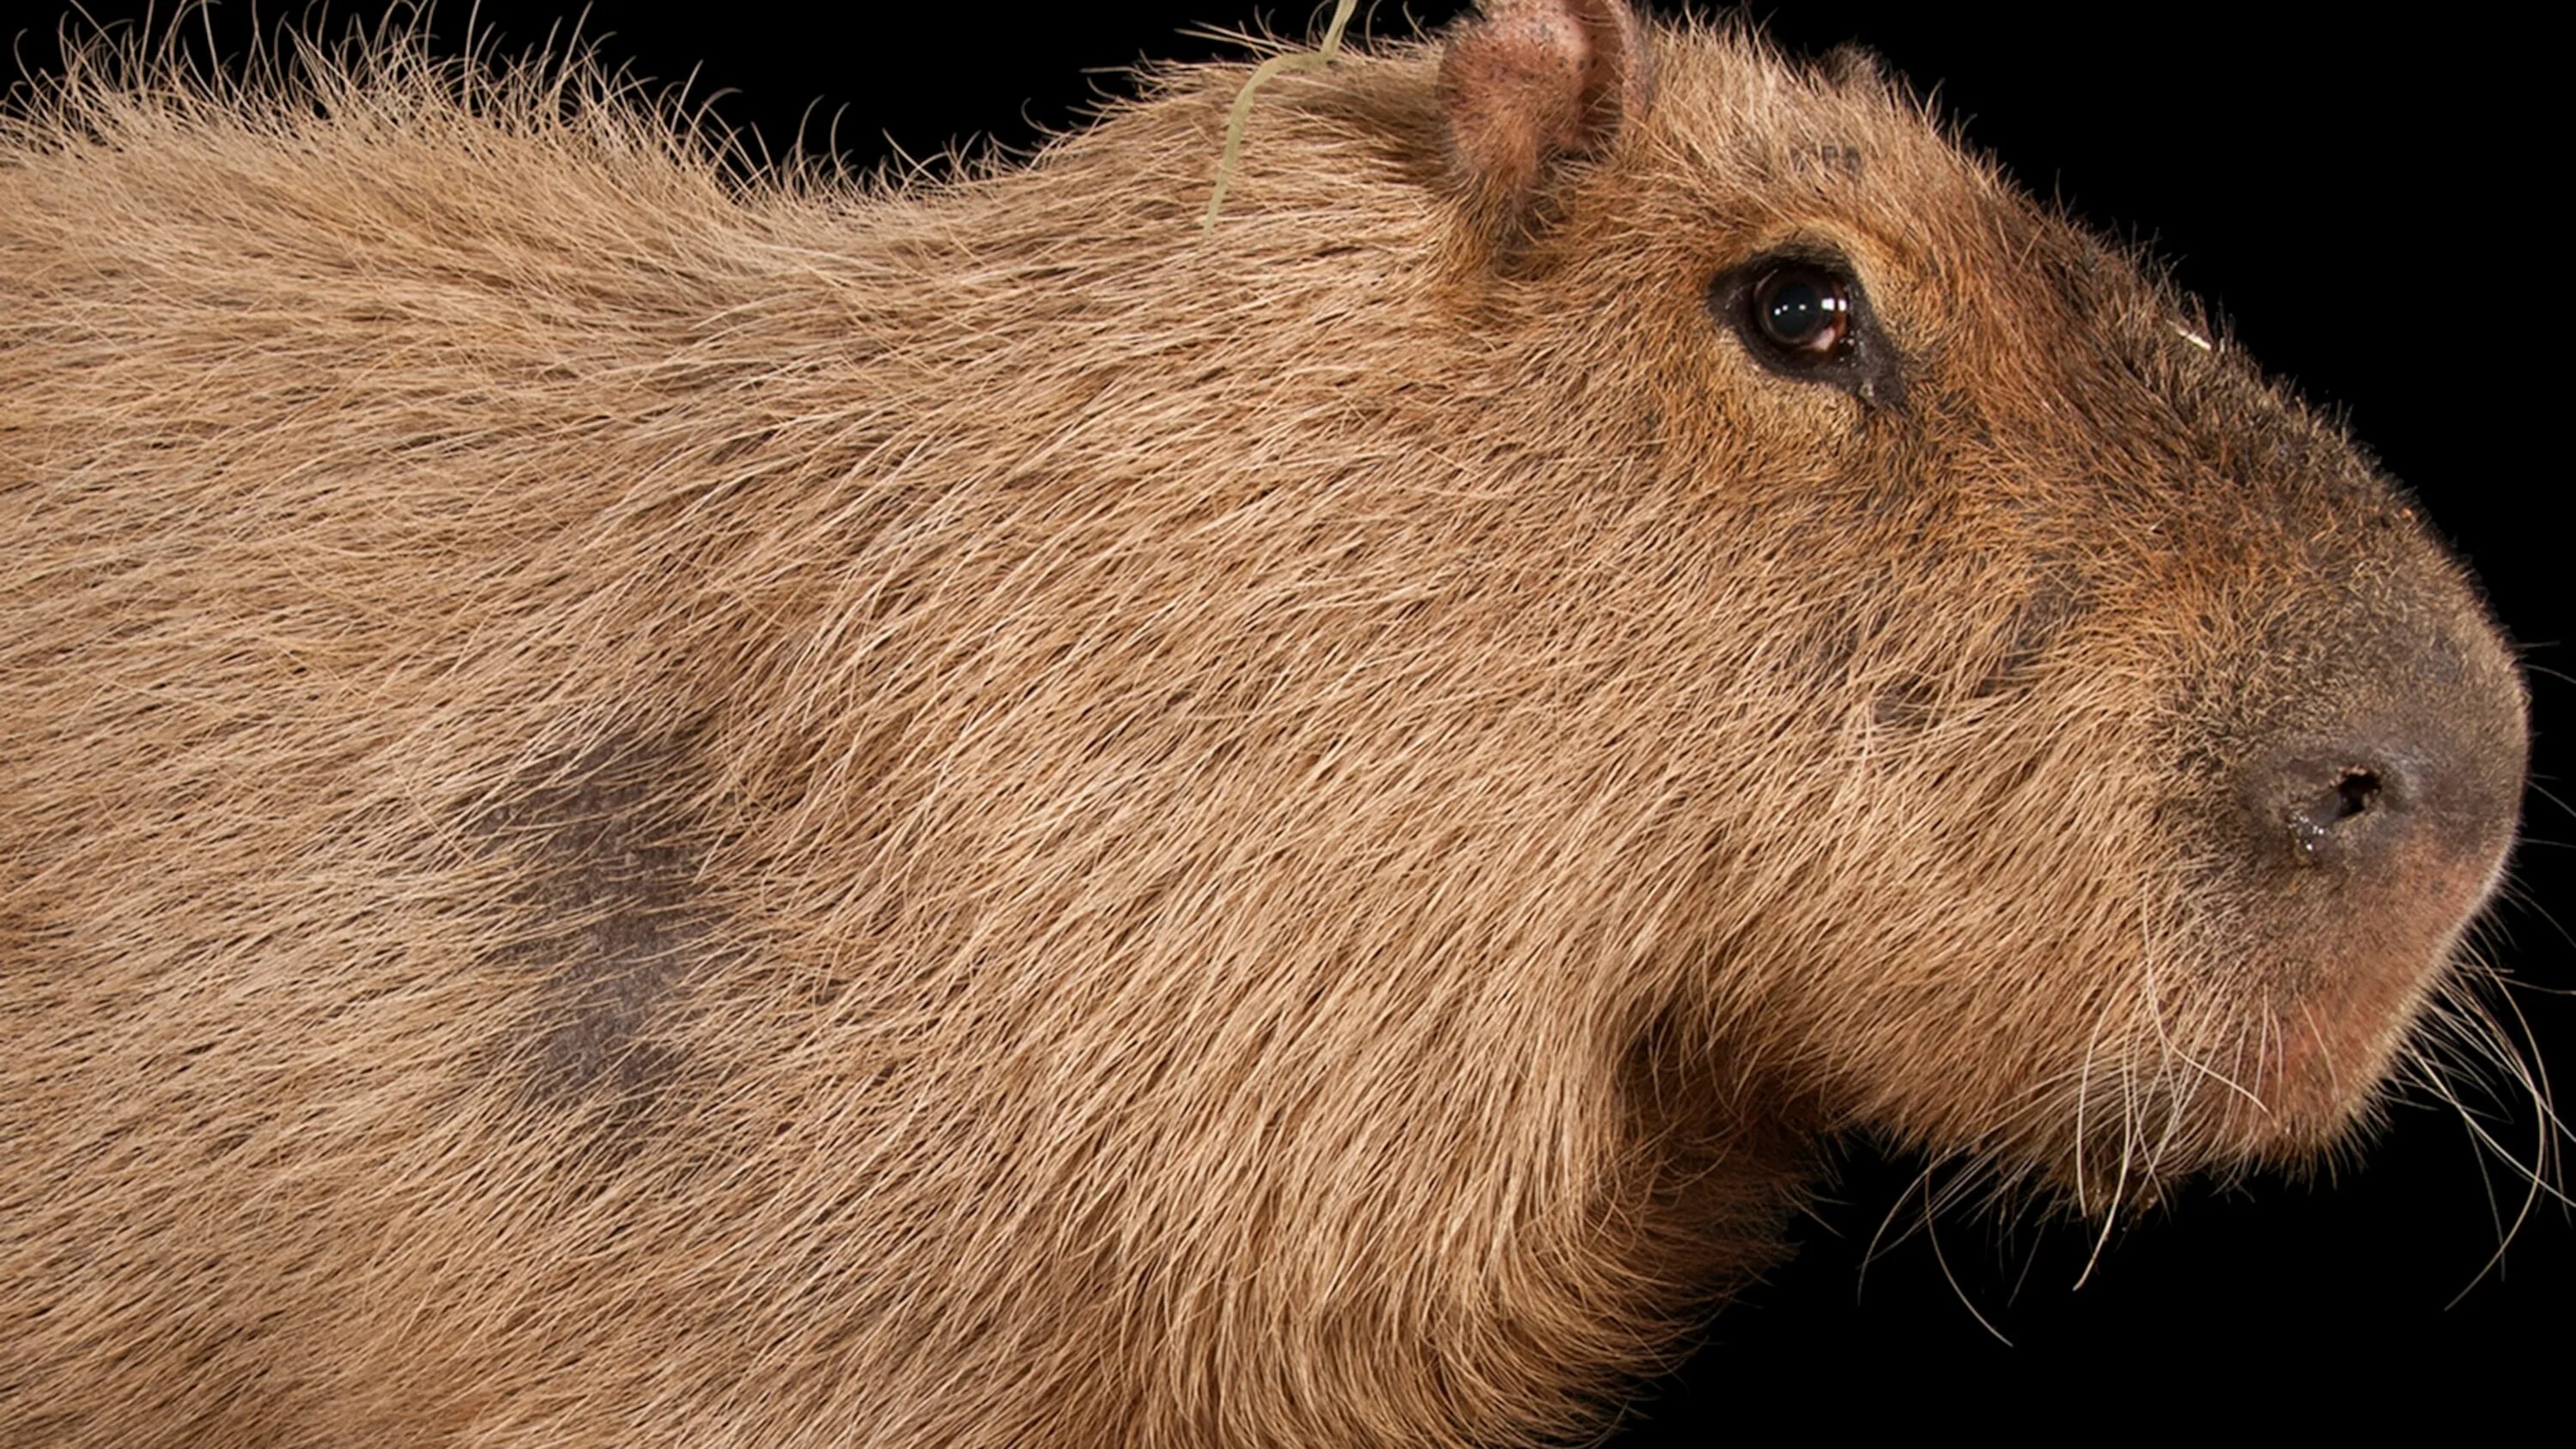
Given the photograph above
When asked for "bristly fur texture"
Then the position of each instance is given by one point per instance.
(652, 807)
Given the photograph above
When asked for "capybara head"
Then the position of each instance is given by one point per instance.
(654, 804)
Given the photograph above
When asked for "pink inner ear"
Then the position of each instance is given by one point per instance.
(1534, 81)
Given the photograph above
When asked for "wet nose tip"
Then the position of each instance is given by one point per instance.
(2389, 802)
(2401, 759)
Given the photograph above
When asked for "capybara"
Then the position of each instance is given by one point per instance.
(655, 802)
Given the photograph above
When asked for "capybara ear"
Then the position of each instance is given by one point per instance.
(1530, 85)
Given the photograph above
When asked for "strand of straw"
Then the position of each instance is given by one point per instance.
(1241, 115)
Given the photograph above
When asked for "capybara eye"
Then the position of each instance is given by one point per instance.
(1803, 315)
(1802, 311)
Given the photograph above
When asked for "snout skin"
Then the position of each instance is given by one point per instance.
(2406, 748)
(2375, 824)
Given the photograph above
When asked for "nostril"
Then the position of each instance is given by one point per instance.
(2323, 819)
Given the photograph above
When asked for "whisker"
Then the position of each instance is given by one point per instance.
(1952, 1279)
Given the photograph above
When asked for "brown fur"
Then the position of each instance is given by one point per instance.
(646, 809)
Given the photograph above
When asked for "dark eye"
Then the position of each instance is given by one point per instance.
(1802, 312)
(1802, 315)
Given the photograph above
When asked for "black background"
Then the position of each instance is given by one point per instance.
(2358, 198)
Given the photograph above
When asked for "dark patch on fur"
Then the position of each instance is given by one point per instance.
(608, 850)
(1915, 701)
(1909, 704)
(737, 447)
(2043, 616)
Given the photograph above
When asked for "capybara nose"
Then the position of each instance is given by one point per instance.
(2429, 787)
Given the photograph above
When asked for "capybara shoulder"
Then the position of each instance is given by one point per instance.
(652, 802)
